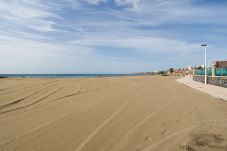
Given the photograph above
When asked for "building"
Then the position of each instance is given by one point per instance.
(220, 64)
(189, 68)
(219, 68)
(203, 66)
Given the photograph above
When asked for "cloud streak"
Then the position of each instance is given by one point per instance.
(27, 14)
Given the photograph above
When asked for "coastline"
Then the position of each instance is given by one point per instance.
(64, 75)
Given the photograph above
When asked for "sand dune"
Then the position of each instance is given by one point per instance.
(109, 114)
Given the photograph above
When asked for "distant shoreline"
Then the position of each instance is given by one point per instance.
(64, 75)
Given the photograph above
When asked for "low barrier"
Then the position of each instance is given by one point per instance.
(218, 71)
(217, 80)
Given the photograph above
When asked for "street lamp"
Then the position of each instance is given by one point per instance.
(205, 67)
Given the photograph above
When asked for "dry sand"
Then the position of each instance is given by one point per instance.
(109, 114)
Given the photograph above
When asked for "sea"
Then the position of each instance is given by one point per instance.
(63, 75)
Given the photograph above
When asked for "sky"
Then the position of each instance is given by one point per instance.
(109, 36)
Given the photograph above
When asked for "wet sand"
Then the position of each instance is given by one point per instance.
(150, 113)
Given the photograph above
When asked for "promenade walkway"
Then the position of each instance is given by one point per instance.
(215, 91)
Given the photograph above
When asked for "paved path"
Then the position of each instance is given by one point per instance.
(215, 91)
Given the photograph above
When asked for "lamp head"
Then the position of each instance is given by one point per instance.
(204, 45)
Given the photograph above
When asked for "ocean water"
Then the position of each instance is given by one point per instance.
(63, 75)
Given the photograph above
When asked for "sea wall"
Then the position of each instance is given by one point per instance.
(217, 80)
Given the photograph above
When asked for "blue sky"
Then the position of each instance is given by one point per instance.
(109, 36)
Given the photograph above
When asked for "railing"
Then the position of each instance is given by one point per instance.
(219, 72)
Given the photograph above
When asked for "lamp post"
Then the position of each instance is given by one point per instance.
(205, 66)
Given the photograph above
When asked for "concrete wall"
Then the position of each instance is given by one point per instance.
(217, 80)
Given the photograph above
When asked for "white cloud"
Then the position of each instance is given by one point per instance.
(27, 56)
(144, 45)
(95, 2)
(28, 14)
(132, 3)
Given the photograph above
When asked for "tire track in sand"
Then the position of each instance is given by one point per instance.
(66, 96)
(51, 125)
(73, 94)
(24, 97)
(155, 145)
(100, 127)
(141, 122)
(148, 117)
(37, 131)
(180, 132)
(156, 93)
(84, 142)
(15, 88)
(34, 102)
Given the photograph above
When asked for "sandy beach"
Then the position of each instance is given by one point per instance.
(148, 113)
